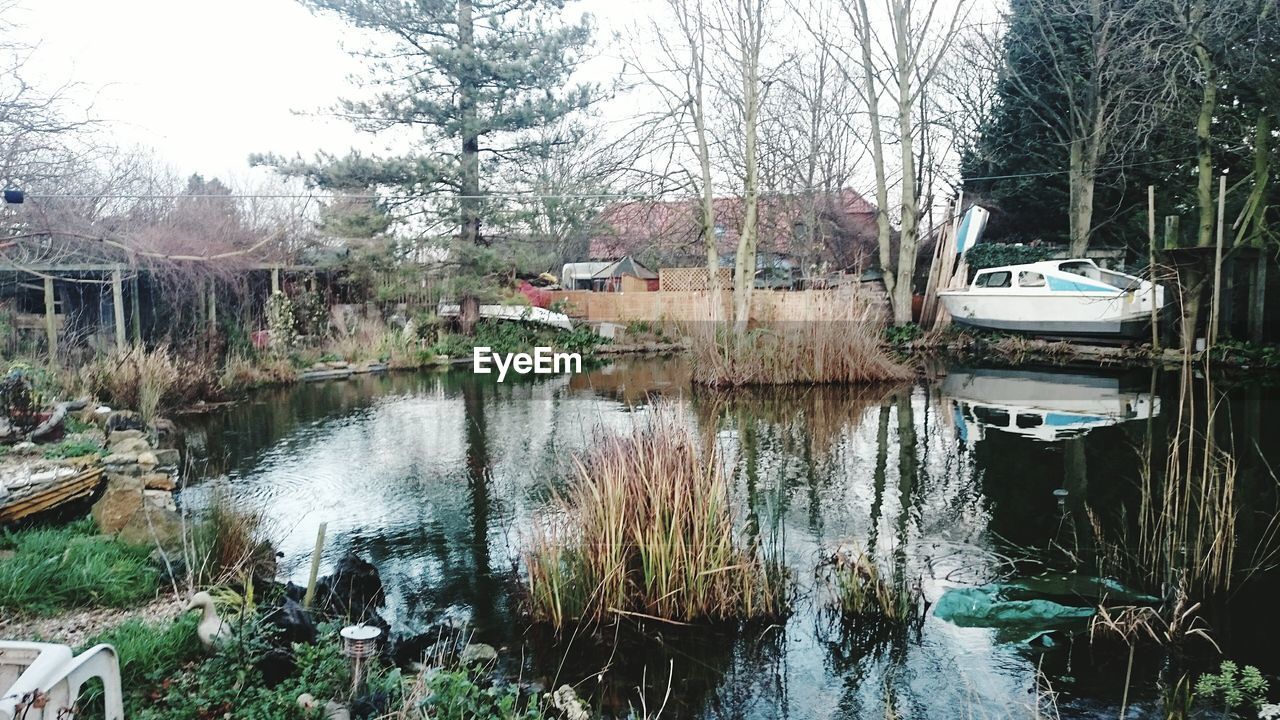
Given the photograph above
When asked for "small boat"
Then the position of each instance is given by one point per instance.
(1046, 406)
(1056, 297)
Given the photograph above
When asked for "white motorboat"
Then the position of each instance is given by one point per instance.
(1041, 405)
(1055, 297)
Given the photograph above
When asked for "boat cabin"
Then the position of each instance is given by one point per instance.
(1073, 276)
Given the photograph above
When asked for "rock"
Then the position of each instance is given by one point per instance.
(24, 448)
(294, 622)
(117, 458)
(137, 515)
(478, 654)
(353, 590)
(168, 457)
(566, 700)
(121, 435)
(160, 499)
(129, 446)
(165, 433)
(159, 481)
(119, 503)
(148, 458)
(124, 420)
(153, 525)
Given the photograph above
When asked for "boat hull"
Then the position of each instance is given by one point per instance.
(1097, 316)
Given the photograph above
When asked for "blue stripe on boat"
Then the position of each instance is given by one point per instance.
(1057, 284)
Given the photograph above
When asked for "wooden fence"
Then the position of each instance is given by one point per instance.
(694, 278)
(695, 305)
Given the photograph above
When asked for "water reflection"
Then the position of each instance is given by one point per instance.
(1042, 405)
(433, 478)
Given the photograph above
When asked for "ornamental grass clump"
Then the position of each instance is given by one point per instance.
(860, 589)
(645, 529)
(840, 341)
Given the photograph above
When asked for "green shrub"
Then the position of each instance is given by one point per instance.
(73, 448)
(231, 682)
(150, 652)
(992, 254)
(1239, 692)
(455, 695)
(60, 568)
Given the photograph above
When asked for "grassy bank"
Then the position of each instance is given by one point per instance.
(645, 529)
(45, 571)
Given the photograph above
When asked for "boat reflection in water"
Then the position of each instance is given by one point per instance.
(1047, 406)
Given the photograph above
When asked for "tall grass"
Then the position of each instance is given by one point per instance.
(68, 567)
(241, 372)
(1187, 520)
(840, 342)
(148, 381)
(645, 529)
(859, 588)
(226, 545)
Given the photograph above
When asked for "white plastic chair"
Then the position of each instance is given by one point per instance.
(42, 681)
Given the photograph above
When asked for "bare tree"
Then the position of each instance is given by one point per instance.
(742, 32)
(900, 68)
(1082, 67)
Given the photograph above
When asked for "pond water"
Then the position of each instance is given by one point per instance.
(434, 478)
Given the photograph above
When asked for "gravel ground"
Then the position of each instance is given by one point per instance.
(77, 626)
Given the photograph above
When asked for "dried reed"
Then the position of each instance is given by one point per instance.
(840, 341)
(646, 530)
(1188, 517)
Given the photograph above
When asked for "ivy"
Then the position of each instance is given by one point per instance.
(988, 255)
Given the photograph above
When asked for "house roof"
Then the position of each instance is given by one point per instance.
(625, 266)
(673, 227)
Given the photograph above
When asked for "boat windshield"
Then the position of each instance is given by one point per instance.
(1093, 272)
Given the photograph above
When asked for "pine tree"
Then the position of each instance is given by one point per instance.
(477, 78)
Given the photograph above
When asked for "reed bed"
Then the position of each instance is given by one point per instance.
(860, 589)
(840, 342)
(645, 529)
(1187, 523)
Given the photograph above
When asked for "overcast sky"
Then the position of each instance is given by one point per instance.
(206, 83)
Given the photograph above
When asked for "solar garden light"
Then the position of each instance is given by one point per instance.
(359, 642)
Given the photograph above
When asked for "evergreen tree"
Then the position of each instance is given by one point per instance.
(477, 78)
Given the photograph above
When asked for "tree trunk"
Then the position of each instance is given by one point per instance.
(470, 158)
(704, 166)
(745, 265)
(468, 314)
(884, 233)
(908, 239)
(1082, 175)
(1194, 278)
(1204, 147)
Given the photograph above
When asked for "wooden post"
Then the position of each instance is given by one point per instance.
(135, 310)
(50, 321)
(213, 306)
(1217, 261)
(1151, 262)
(117, 308)
(1171, 231)
(315, 567)
(275, 280)
(1258, 298)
